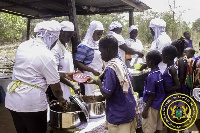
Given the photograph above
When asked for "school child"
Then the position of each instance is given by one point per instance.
(189, 53)
(197, 85)
(184, 68)
(115, 86)
(153, 94)
(170, 76)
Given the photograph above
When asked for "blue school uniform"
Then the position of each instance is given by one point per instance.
(168, 81)
(154, 86)
(120, 107)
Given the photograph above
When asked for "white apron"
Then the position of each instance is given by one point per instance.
(97, 65)
(65, 64)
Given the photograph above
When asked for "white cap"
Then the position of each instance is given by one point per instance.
(67, 26)
(48, 25)
(132, 27)
(157, 22)
(114, 25)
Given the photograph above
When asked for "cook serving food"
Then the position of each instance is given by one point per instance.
(33, 71)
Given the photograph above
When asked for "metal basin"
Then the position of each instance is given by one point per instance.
(64, 118)
(95, 105)
(96, 109)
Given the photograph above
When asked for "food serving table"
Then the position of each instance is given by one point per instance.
(93, 126)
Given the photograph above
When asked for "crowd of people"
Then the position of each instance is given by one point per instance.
(44, 64)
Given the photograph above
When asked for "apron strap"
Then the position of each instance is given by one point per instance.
(17, 84)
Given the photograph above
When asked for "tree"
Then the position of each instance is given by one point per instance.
(196, 25)
(12, 28)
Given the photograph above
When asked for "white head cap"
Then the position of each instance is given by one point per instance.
(48, 31)
(67, 26)
(48, 25)
(114, 25)
(132, 27)
(157, 22)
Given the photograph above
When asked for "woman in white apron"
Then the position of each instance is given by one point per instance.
(33, 71)
(161, 39)
(64, 59)
(88, 58)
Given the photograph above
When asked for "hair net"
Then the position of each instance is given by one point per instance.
(133, 27)
(114, 25)
(67, 26)
(88, 39)
(48, 31)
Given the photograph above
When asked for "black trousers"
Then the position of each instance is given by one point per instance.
(30, 122)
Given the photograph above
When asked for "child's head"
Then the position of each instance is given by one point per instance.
(169, 53)
(153, 58)
(180, 45)
(189, 52)
(186, 34)
(108, 46)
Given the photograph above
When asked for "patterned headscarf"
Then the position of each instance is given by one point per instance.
(114, 25)
(48, 31)
(88, 39)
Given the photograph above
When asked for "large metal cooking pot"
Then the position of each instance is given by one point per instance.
(95, 105)
(64, 118)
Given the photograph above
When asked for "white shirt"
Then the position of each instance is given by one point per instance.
(136, 45)
(34, 65)
(65, 63)
(64, 59)
(121, 41)
(163, 41)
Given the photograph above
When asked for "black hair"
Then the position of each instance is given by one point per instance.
(184, 33)
(180, 45)
(154, 56)
(191, 50)
(109, 42)
(170, 51)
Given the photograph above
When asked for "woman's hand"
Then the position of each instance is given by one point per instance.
(62, 102)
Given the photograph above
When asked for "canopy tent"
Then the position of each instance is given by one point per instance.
(37, 9)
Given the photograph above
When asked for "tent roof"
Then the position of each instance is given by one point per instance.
(35, 9)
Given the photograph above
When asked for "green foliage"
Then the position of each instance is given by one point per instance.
(196, 25)
(12, 28)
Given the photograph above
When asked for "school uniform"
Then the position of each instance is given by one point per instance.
(153, 86)
(168, 81)
(64, 62)
(120, 107)
(33, 71)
